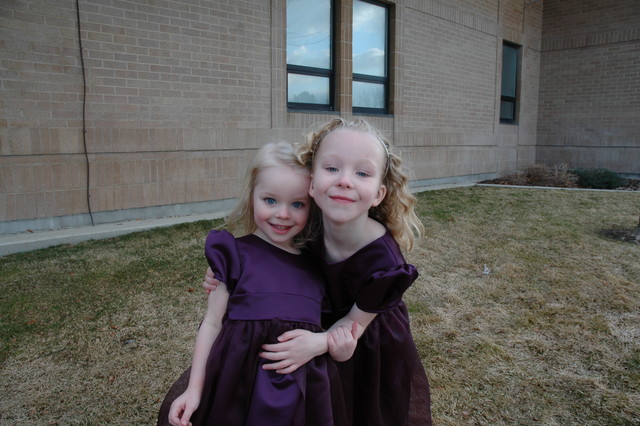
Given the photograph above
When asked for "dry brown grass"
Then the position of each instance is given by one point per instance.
(552, 334)
(95, 333)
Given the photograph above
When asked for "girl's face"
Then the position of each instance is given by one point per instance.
(281, 205)
(347, 175)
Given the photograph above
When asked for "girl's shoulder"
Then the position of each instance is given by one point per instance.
(384, 247)
(381, 253)
(221, 238)
(247, 248)
(220, 235)
(228, 255)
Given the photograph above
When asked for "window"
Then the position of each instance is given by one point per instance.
(309, 54)
(312, 56)
(370, 57)
(509, 93)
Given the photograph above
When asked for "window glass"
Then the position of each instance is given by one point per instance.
(369, 56)
(369, 39)
(509, 88)
(309, 54)
(507, 110)
(309, 33)
(308, 89)
(368, 95)
(509, 70)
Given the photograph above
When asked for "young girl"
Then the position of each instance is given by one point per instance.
(268, 286)
(367, 215)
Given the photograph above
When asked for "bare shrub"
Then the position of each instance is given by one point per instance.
(557, 175)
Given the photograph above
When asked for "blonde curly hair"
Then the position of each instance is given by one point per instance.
(397, 209)
(276, 154)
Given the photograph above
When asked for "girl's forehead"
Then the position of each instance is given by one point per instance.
(349, 138)
(283, 174)
(353, 143)
(282, 179)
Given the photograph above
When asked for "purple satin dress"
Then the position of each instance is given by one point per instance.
(271, 291)
(384, 382)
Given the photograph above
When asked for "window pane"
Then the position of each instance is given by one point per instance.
(309, 33)
(368, 95)
(369, 39)
(308, 89)
(507, 110)
(509, 70)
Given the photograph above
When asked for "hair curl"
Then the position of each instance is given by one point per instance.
(397, 209)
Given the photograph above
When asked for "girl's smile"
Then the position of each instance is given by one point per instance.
(342, 200)
(280, 229)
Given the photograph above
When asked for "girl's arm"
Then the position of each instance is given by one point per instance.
(355, 318)
(184, 406)
(297, 347)
(341, 340)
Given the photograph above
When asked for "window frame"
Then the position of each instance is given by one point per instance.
(366, 78)
(513, 100)
(328, 73)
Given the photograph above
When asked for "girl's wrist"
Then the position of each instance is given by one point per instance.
(325, 343)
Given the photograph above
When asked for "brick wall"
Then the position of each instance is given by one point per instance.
(179, 94)
(590, 85)
(449, 82)
(174, 93)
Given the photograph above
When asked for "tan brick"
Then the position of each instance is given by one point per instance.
(179, 97)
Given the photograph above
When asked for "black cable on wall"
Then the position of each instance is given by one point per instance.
(84, 113)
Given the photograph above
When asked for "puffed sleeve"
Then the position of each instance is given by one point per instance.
(222, 254)
(383, 290)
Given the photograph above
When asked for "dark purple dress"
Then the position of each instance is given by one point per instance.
(376, 379)
(271, 291)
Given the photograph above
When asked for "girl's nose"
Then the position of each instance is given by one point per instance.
(344, 180)
(283, 212)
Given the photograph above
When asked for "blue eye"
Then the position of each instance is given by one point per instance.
(270, 201)
(331, 169)
(297, 204)
(362, 174)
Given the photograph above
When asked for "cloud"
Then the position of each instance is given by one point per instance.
(367, 17)
(308, 33)
(371, 62)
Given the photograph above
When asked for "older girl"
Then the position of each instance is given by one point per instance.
(367, 216)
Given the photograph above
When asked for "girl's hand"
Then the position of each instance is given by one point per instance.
(182, 408)
(295, 349)
(342, 342)
(210, 283)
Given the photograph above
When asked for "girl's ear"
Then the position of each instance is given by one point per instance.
(311, 188)
(382, 191)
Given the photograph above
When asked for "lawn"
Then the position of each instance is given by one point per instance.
(96, 332)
